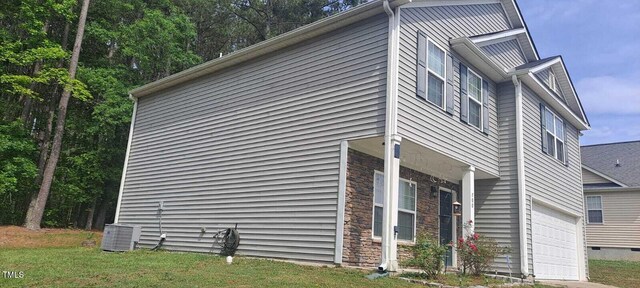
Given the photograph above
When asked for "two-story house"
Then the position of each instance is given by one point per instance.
(611, 178)
(342, 140)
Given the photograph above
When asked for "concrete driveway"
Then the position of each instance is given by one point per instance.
(576, 284)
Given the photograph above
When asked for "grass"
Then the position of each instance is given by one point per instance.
(79, 267)
(624, 274)
(19, 237)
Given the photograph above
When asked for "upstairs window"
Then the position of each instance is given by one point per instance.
(594, 210)
(406, 207)
(475, 99)
(435, 74)
(553, 134)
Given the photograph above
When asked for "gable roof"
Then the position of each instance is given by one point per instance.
(602, 158)
(570, 96)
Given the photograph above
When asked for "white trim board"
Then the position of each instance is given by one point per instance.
(434, 3)
(342, 191)
(126, 158)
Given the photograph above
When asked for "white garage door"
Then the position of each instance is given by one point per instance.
(555, 249)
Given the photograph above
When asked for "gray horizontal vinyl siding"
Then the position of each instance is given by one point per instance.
(496, 200)
(423, 122)
(258, 144)
(548, 179)
(507, 54)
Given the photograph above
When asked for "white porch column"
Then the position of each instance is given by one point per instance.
(468, 197)
(390, 204)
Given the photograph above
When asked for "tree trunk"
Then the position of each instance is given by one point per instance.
(28, 102)
(102, 215)
(33, 222)
(89, 224)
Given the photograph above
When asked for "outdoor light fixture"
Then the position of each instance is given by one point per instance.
(434, 191)
(457, 208)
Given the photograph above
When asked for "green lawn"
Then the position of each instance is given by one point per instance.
(73, 267)
(624, 274)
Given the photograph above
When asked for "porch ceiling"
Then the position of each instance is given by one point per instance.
(419, 158)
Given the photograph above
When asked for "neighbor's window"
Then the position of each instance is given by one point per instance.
(474, 89)
(555, 135)
(594, 210)
(406, 207)
(435, 74)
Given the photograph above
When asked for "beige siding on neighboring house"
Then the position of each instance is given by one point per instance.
(589, 177)
(621, 217)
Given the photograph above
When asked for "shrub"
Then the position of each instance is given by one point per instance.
(428, 255)
(477, 252)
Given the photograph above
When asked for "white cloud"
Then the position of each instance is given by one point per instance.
(606, 94)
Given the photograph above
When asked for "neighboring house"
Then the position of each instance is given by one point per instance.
(288, 138)
(611, 177)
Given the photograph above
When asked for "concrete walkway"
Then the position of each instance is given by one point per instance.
(576, 284)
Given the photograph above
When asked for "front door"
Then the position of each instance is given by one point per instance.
(446, 225)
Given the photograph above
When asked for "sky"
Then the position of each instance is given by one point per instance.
(599, 41)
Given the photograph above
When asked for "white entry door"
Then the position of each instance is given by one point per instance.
(555, 244)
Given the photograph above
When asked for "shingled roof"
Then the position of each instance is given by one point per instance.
(604, 157)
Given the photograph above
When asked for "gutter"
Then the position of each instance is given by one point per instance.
(388, 255)
(281, 41)
(522, 201)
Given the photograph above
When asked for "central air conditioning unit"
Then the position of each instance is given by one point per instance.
(120, 237)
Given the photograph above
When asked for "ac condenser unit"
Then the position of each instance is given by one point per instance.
(120, 237)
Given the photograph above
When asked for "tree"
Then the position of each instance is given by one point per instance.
(34, 215)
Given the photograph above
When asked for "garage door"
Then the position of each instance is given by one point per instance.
(555, 249)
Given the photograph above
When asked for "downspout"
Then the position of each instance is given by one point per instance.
(522, 201)
(126, 156)
(391, 150)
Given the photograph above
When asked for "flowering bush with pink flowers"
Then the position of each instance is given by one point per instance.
(476, 252)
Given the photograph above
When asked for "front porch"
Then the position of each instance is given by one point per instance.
(429, 183)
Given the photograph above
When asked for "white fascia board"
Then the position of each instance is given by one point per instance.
(433, 3)
(611, 189)
(473, 54)
(497, 37)
(287, 39)
(548, 96)
(594, 171)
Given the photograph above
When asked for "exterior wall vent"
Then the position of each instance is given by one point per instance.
(119, 237)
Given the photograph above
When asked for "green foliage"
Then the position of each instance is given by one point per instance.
(477, 252)
(428, 255)
(126, 44)
(17, 170)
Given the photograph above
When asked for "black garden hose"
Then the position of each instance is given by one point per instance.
(228, 240)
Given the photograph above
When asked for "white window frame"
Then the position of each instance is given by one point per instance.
(414, 212)
(601, 208)
(469, 99)
(556, 138)
(443, 78)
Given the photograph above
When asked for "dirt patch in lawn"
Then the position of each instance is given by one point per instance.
(20, 237)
